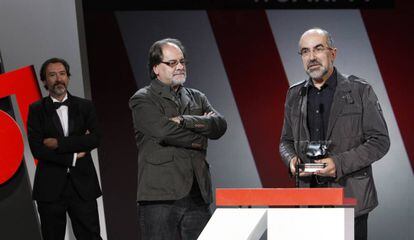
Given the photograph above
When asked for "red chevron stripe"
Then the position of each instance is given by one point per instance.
(259, 84)
(390, 33)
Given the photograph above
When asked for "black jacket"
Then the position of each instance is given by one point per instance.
(357, 134)
(51, 171)
(169, 155)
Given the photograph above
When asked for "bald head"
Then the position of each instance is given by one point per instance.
(318, 31)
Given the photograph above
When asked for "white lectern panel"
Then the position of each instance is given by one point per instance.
(235, 223)
(310, 223)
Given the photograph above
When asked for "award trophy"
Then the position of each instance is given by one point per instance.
(315, 150)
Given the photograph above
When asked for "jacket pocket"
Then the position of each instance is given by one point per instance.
(350, 111)
(195, 110)
(348, 125)
(363, 190)
(160, 157)
(361, 175)
(171, 111)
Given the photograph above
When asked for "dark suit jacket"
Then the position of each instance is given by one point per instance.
(357, 133)
(51, 172)
(170, 155)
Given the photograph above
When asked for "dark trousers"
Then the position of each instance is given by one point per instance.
(164, 220)
(361, 227)
(83, 215)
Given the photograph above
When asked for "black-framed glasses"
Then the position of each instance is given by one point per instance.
(305, 52)
(174, 63)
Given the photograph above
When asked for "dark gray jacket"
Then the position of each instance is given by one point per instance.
(357, 133)
(170, 155)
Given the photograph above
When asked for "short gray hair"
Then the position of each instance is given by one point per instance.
(329, 38)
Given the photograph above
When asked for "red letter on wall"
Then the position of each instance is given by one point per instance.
(23, 84)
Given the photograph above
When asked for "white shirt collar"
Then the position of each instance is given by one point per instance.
(55, 100)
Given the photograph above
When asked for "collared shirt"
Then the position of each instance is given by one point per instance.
(62, 112)
(176, 95)
(319, 107)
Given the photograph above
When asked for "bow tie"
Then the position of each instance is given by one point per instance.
(59, 104)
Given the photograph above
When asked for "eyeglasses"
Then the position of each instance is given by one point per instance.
(305, 52)
(173, 63)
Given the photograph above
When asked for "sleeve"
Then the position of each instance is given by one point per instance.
(212, 127)
(86, 142)
(286, 146)
(75, 156)
(376, 141)
(149, 119)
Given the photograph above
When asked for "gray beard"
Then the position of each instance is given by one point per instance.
(59, 90)
(176, 82)
(317, 74)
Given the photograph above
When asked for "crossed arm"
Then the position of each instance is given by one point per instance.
(211, 124)
(60, 150)
(187, 131)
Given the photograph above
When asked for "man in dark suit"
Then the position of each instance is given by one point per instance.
(340, 113)
(62, 130)
(172, 124)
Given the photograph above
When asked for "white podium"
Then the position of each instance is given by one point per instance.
(245, 214)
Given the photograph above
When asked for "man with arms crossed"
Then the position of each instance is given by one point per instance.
(172, 124)
(62, 130)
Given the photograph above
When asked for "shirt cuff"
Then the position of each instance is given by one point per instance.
(75, 155)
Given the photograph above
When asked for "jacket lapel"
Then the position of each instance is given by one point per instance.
(185, 101)
(51, 111)
(304, 111)
(162, 90)
(72, 111)
(339, 101)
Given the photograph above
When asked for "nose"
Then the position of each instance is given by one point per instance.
(180, 65)
(58, 77)
(312, 55)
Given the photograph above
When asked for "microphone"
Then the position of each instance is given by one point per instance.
(304, 90)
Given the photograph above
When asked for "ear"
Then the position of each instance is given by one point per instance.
(333, 52)
(45, 85)
(155, 69)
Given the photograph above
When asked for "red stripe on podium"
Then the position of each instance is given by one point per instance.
(282, 197)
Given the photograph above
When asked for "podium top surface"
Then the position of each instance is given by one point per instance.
(282, 197)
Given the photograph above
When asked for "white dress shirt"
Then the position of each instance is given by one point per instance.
(62, 112)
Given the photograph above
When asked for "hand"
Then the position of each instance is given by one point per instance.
(209, 114)
(292, 166)
(50, 143)
(177, 119)
(80, 155)
(329, 170)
